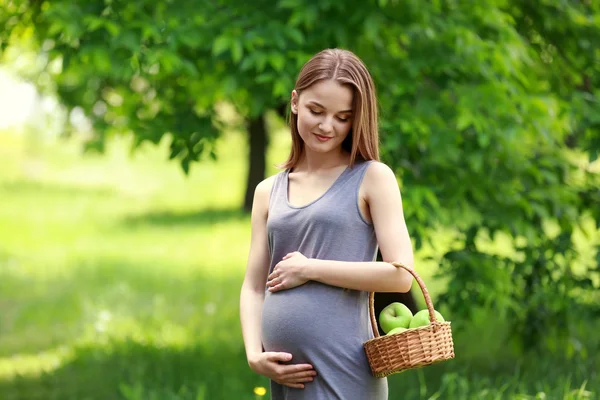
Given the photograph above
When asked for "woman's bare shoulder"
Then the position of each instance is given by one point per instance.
(379, 174)
(265, 186)
(262, 192)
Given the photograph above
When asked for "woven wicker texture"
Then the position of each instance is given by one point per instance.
(413, 348)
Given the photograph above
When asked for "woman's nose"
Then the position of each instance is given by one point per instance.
(326, 126)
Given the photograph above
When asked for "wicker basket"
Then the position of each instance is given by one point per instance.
(413, 348)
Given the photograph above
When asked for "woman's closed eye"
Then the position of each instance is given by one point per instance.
(314, 112)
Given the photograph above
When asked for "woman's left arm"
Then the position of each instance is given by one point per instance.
(384, 200)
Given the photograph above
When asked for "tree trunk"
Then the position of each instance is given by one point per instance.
(257, 144)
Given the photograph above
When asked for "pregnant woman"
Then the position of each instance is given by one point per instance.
(316, 228)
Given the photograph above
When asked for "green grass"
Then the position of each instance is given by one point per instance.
(120, 277)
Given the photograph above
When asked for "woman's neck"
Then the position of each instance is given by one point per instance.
(312, 162)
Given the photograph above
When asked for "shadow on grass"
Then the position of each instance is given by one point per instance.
(202, 217)
(136, 371)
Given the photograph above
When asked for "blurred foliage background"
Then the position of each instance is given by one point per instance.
(132, 135)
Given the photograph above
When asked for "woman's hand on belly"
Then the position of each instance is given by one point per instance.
(294, 375)
(289, 273)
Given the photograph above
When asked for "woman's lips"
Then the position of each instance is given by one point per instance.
(323, 138)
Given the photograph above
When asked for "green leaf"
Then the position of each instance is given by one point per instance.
(280, 88)
(237, 51)
(261, 61)
(483, 139)
(220, 45)
(295, 34)
(190, 68)
(264, 78)
(463, 120)
(246, 64)
(372, 28)
(112, 28)
(277, 61)
(93, 23)
(230, 85)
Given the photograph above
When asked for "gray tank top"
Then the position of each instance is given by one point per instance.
(320, 324)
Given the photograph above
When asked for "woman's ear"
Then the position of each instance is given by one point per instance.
(294, 102)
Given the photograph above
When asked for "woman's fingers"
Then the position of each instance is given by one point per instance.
(295, 368)
(273, 275)
(297, 382)
(278, 356)
(300, 374)
(296, 377)
(300, 377)
(277, 287)
(273, 282)
(285, 371)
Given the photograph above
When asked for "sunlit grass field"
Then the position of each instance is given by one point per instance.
(120, 278)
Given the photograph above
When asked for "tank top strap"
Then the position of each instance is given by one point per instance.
(278, 194)
(352, 177)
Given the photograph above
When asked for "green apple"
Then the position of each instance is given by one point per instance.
(397, 330)
(395, 315)
(422, 318)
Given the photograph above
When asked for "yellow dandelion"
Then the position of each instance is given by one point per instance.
(260, 391)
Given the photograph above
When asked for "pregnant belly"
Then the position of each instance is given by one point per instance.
(313, 316)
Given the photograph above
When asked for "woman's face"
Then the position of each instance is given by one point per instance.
(324, 115)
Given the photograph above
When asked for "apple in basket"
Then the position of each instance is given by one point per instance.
(422, 318)
(395, 315)
(397, 330)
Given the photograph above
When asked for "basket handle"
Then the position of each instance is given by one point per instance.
(423, 289)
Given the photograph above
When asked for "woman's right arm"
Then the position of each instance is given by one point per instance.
(252, 297)
(253, 288)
